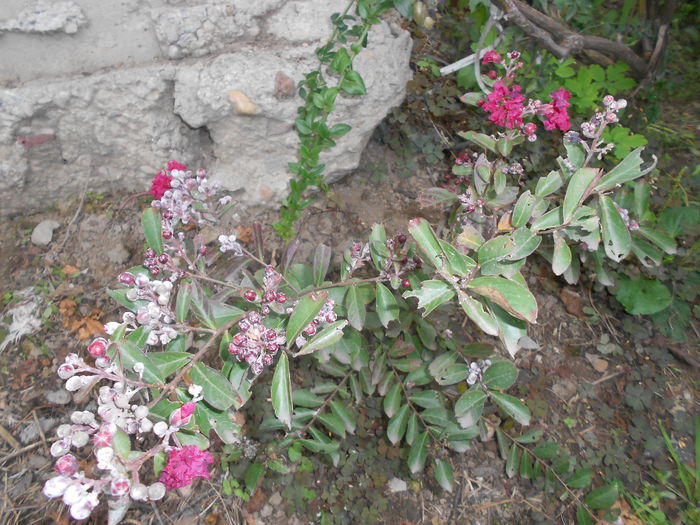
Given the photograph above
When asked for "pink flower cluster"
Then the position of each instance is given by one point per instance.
(505, 105)
(558, 117)
(162, 181)
(185, 464)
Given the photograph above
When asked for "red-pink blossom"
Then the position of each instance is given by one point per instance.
(160, 184)
(491, 56)
(185, 464)
(505, 105)
(175, 165)
(558, 117)
(181, 416)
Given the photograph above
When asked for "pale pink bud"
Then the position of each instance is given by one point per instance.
(111, 327)
(80, 439)
(66, 465)
(120, 487)
(74, 383)
(73, 494)
(102, 440)
(160, 428)
(56, 486)
(65, 371)
(182, 415)
(82, 509)
(139, 492)
(60, 447)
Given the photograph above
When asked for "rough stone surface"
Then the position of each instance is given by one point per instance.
(44, 16)
(145, 82)
(43, 232)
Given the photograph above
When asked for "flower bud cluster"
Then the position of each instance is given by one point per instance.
(476, 370)
(356, 258)
(228, 243)
(631, 224)
(115, 419)
(190, 198)
(593, 128)
(255, 344)
(156, 315)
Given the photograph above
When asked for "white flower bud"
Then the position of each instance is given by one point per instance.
(80, 439)
(102, 362)
(139, 492)
(73, 494)
(160, 428)
(111, 327)
(74, 383)
(82, 509)
(122, 401)
(146, 425)
(60, 447)
(104, 455)
(139, 368)
(65, 371)
(156, 491)
(63, 430)
(163, 299)
(140, 412)
(152, 339)
(56, 486)
(74, 360)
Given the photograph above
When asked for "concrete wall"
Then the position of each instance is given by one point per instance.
(101, 93)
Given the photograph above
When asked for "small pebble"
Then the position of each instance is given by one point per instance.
(43, 232)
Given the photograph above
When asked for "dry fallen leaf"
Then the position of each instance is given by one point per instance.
(573, 302)
(244, 234)
(600, 365)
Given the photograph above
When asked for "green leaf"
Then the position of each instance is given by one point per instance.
(253, 474)
(169, 362)
(471, 99)
(477, 313)
(182, 304)
(580, 479)
(150, 220)
(561, 259)
(427, 399)
(480, 139)
(661, 239)
(306, 398)
(353, 84)
(355, 308)
(522, 210)
(340, 61)
(418, 453)
(308, 307)
(457, 263)
(431, 294)
(121, 443)
(129, 354)
(392, 400)
(322, 259)
(510, 329)
(617, 241)
(412, 428)
(495, 249)
(282, 391)
(551, 219)
(396, 427)
(469, 407)
(515, 298)
(512, 461)
(512, 406)
(444, 475)
(525, 242)
(642, 296)
(602, 498)
(345, 415)
(329, 335)
(216, 389)
(549, 184)
(500, 375)
(386, 306)
(530, 436)
(629, 169)
(120, 297)
(333, 423)
(427, 240)
(576, 191)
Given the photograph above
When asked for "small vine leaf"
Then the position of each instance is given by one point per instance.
(216, 389)
(282, 391)
(522, 210)
(169, 362)
(582, 516)
(392, 400)
(602, 497)
(182, 304)
(500, 375)
(512, 406)
(514, 297)
(530, 436)
(396, 427)
(306, 398)
(444, 475)
(616, 237)
(512, 461)
(333, 423)
(580, 479)
(478, 314)
(432, 293)
(418, 453)
(152, 229)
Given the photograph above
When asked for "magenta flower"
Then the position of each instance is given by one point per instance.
(491, 56)
(175, 165)
(185, 464)
(558, 117)
(505, 105)
(160, 184)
